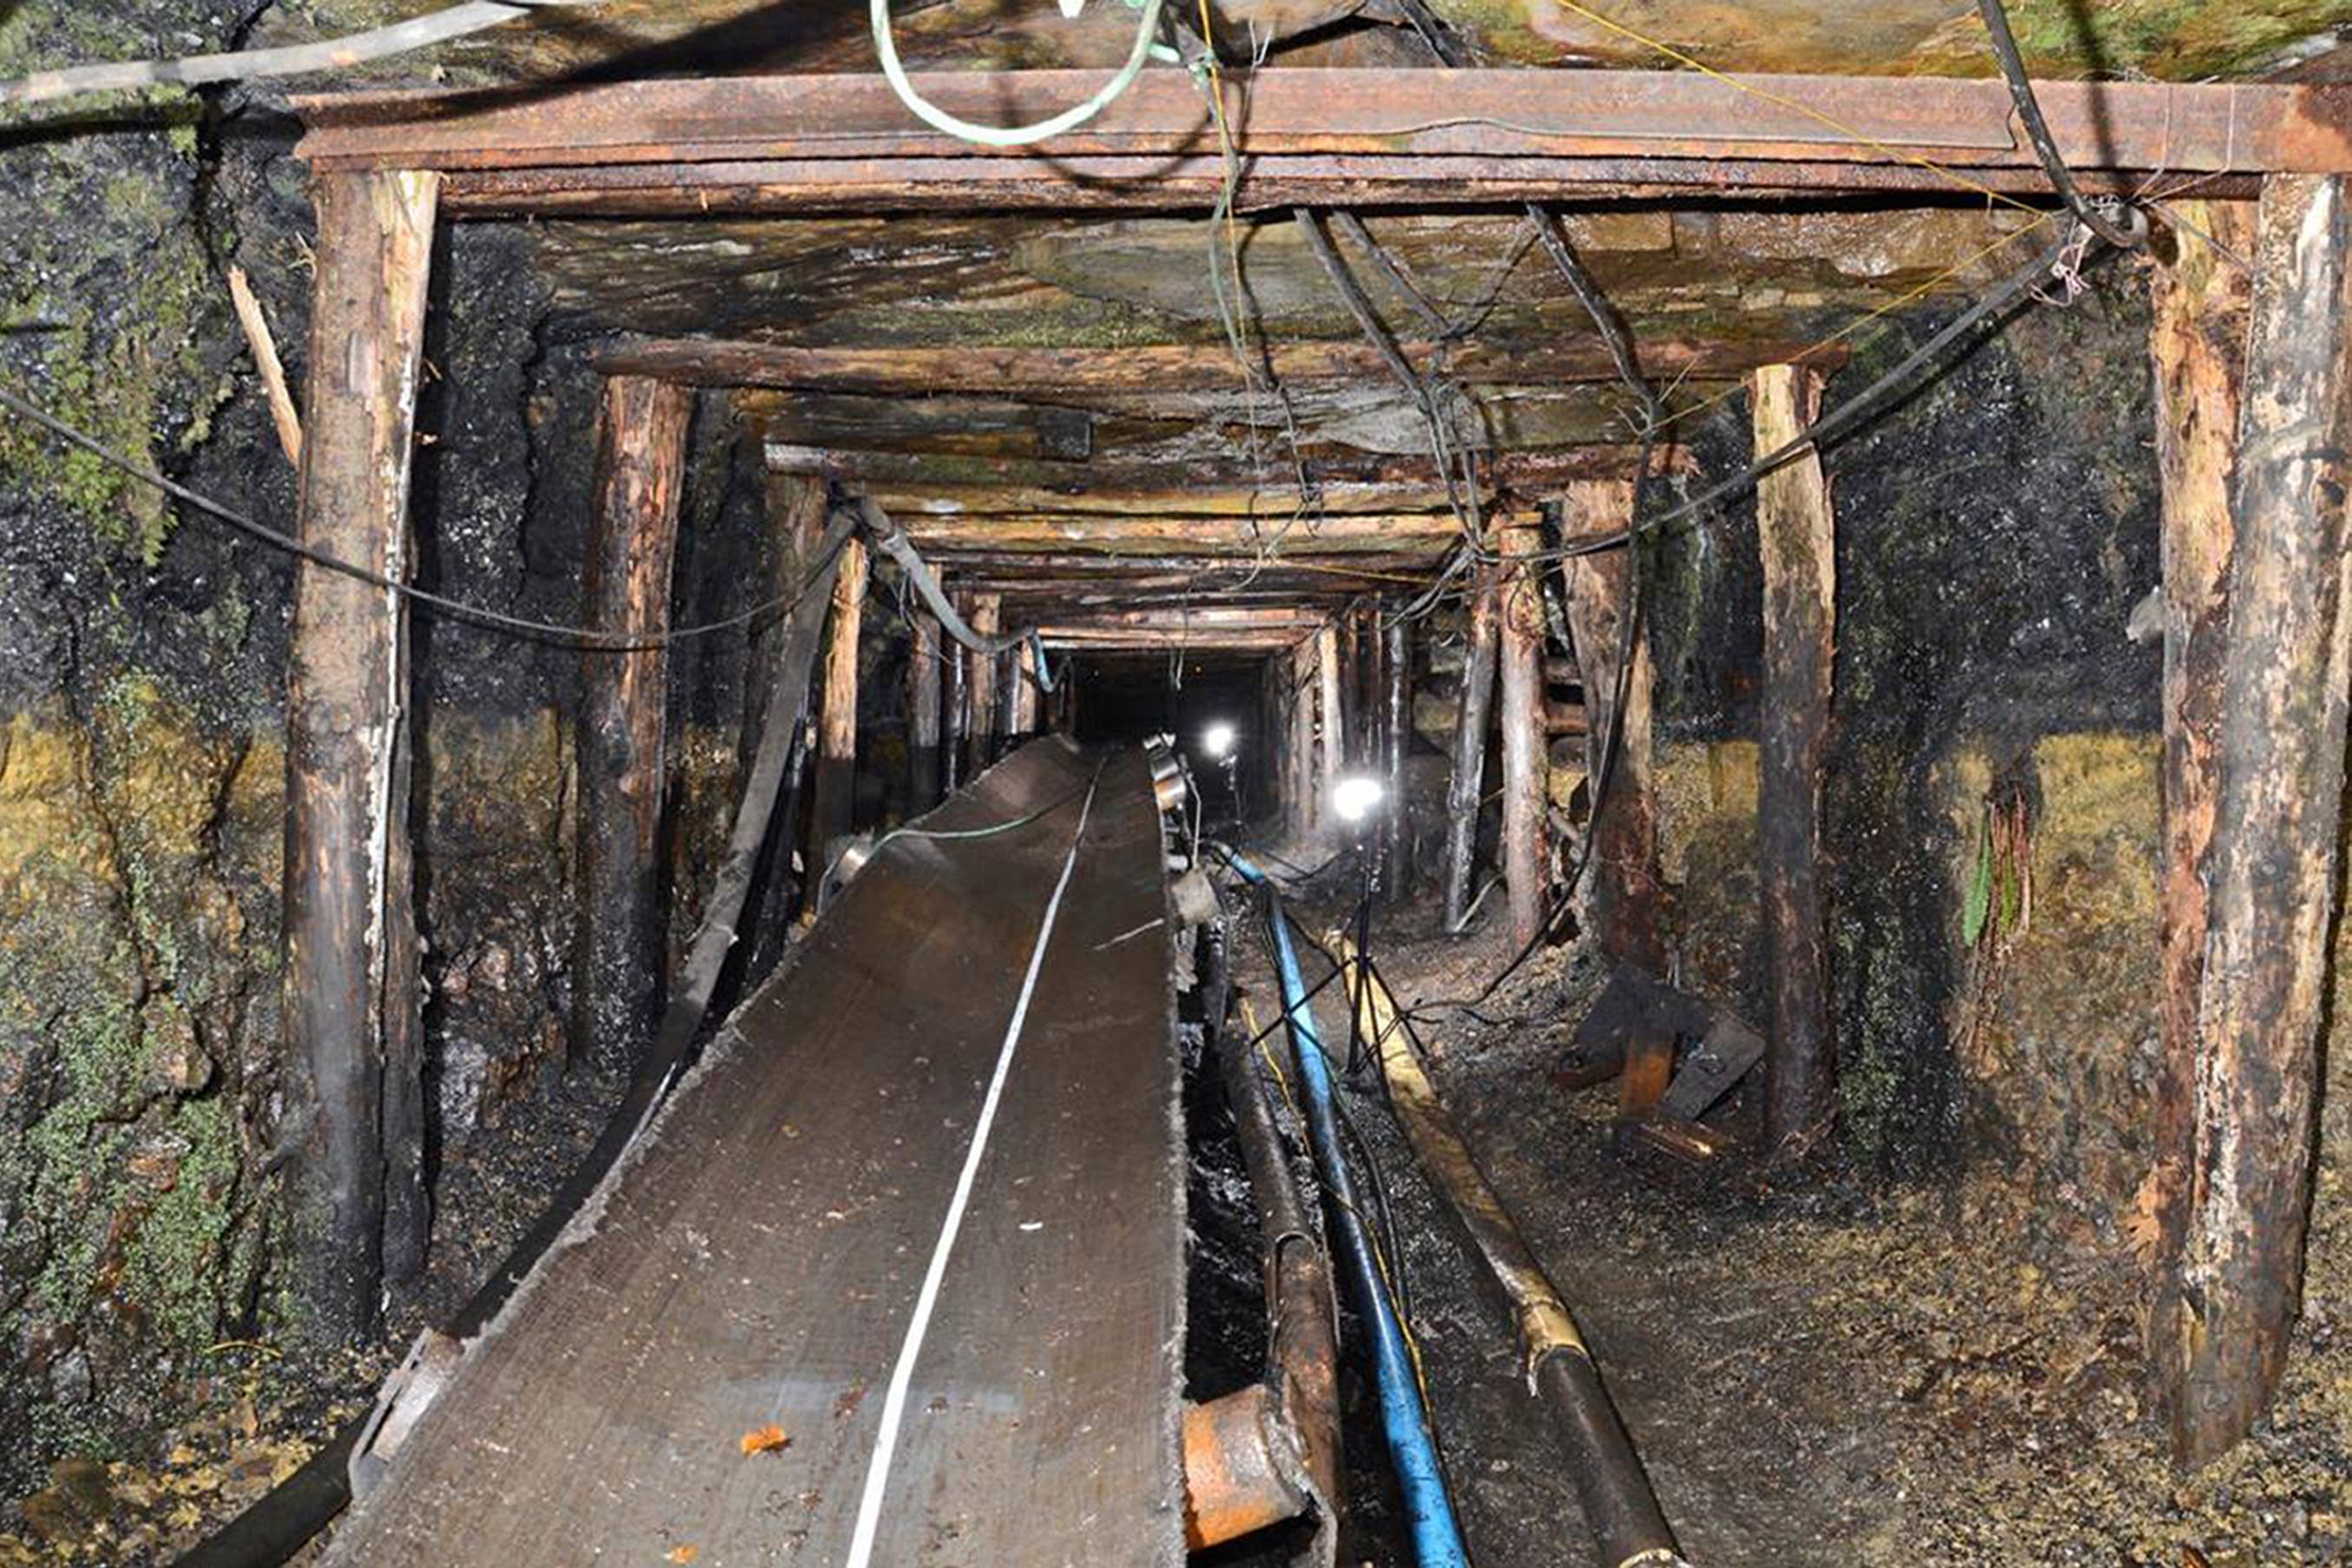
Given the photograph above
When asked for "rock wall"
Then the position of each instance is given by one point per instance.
(141, 667)
(1995, 537)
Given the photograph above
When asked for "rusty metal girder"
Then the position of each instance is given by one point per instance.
(843, 142)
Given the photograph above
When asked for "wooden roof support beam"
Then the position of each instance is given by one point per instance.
(1159, 371)
(845, 143)
(1373, 480)
(1122, 639)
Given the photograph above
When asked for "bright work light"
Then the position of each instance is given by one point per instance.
(1217, 741)
(1356, 797)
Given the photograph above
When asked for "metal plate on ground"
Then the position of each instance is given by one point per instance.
(759, 1258)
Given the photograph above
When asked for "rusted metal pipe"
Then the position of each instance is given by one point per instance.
(1302, 1335)
(1242, 1467)
(1610, 1484)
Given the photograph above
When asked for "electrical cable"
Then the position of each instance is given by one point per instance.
(1839, 421)
(892, 541)
(887, 47)
(1828, 427)
(2096, 216)
(293, 60)
(556, 632)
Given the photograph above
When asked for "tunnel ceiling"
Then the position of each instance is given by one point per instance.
(2174, 40)
(1125, 485)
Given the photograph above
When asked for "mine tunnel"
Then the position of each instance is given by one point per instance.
(1259, 782)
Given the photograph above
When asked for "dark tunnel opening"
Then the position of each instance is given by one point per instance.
(1212, 702)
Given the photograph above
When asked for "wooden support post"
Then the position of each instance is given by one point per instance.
(836, 791)
(923, 667)
(1021, 702)
(1351, 691)
(1797, 539)
(351, 1005)
(1333, 758)
(1526, 765)
(2278, 802)
(955, 715)
(982, 614)
(1396, 731)
(1296, 671)
(618, 940)
(2201, 305)
(796, 519)
(1627, 898)
(1467, 789)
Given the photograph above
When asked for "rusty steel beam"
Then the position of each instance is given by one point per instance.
(843, 142)
(1193, 184)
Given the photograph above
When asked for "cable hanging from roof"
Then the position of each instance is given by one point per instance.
(886, 46)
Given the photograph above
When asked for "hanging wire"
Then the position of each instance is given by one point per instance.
(885, 46)
(523, 626)
(293, 60)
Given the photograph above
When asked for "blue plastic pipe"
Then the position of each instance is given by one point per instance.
(1436, 1537)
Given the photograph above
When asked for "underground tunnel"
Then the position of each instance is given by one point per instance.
(1253, 781)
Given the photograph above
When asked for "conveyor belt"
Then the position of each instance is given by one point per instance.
(760, 1256)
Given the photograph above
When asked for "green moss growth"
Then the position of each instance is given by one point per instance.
(2179, 40)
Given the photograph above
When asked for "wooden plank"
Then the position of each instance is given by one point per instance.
(715, 1294)
(1143, 481)
(1157, 376)
(1797, 541)
(620, 940)
(1426, 122)
(2277, 808)
(1526, 764)
(1255, 526)
(351, 1001)
(1628, 900)
(835, 797)
(2201, 305)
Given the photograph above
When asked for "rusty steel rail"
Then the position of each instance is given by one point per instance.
(1628, 1526)
(848, 134)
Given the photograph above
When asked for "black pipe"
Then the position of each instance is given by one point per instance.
(2123, 237)
(1302, 1335)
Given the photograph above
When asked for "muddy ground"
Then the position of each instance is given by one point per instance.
(258, 1414)
(1822, 1369)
